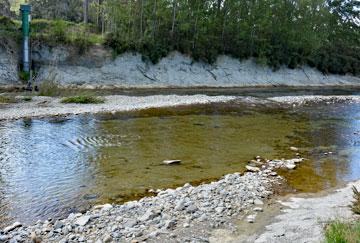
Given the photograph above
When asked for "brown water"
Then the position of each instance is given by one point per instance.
(51, 167)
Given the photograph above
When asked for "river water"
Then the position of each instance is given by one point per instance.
(52, 167)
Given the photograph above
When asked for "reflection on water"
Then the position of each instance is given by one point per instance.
(51, 167)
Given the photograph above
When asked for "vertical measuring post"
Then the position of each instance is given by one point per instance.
(26, 18)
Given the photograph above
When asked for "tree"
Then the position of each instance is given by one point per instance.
(86, 11)
(5, 8)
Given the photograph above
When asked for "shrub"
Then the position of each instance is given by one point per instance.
(49, 88)
(356, 204)
(82, 99)
(340, 232)
(27, 98)
(6, 99)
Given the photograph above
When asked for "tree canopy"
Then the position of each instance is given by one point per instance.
(320, 33)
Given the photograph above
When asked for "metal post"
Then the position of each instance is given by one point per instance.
(26, 18)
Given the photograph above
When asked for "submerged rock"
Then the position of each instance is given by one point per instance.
(295, 149)
(171, 162)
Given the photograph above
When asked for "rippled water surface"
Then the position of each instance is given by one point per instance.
(51, 167)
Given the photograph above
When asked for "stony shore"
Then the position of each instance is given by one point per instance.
(48, 106)
(314, 99)
(185, 214)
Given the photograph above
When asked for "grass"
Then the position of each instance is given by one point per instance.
(342, 232)
(355, 207)
(83, 99)
(7, 100)
(27, 98)
(49, 88)
(345, 232)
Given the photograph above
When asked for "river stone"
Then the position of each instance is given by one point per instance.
(172, 162)
(258, 202)
(169, 224)
(104, 207)
(191, 209)
(251, 218)
(180, 205)
(290, 166)
(295, 149)
(12, 227)
(219, 209)
(252, 168)
(58, 224)
(82, 221)
(130, 223)
(149, 214)
(257, 209)
(107, 239)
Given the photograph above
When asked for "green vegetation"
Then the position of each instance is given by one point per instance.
(59, 31)
(6, 99)
(345, 232)
(340, 232)
(83, 99)
(356, 203)
(321, 33)
(49, 88)
(27, 98)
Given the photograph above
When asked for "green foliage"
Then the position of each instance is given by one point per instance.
(322, 34)
(27, 98)
(6, 99)
(49, 87)
(356, 204)
(24, 76)
(83, 99)
(55, 32)
(277, 33)
(7, 24)
(339, 232)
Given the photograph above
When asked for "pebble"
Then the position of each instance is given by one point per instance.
(82, 221)
(258, 202)
(107, 239)
(171, 162)
(252, 168)
(210, 204)
(251, 218)
(295, 149)
(290, 166)
(12, 227)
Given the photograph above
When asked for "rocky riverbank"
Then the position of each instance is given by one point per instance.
(48, 106)
(185, 214)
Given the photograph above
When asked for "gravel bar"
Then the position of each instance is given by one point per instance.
(48, 106)
(185, 214)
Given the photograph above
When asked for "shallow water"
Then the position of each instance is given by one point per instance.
(51, 167)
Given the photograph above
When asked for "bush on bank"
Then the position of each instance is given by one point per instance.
(82, 99)
(322, 34)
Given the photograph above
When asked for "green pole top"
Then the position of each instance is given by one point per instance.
(25, 8)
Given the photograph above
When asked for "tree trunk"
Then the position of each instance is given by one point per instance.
(173, 19)
(86, 11)
(141, 18)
